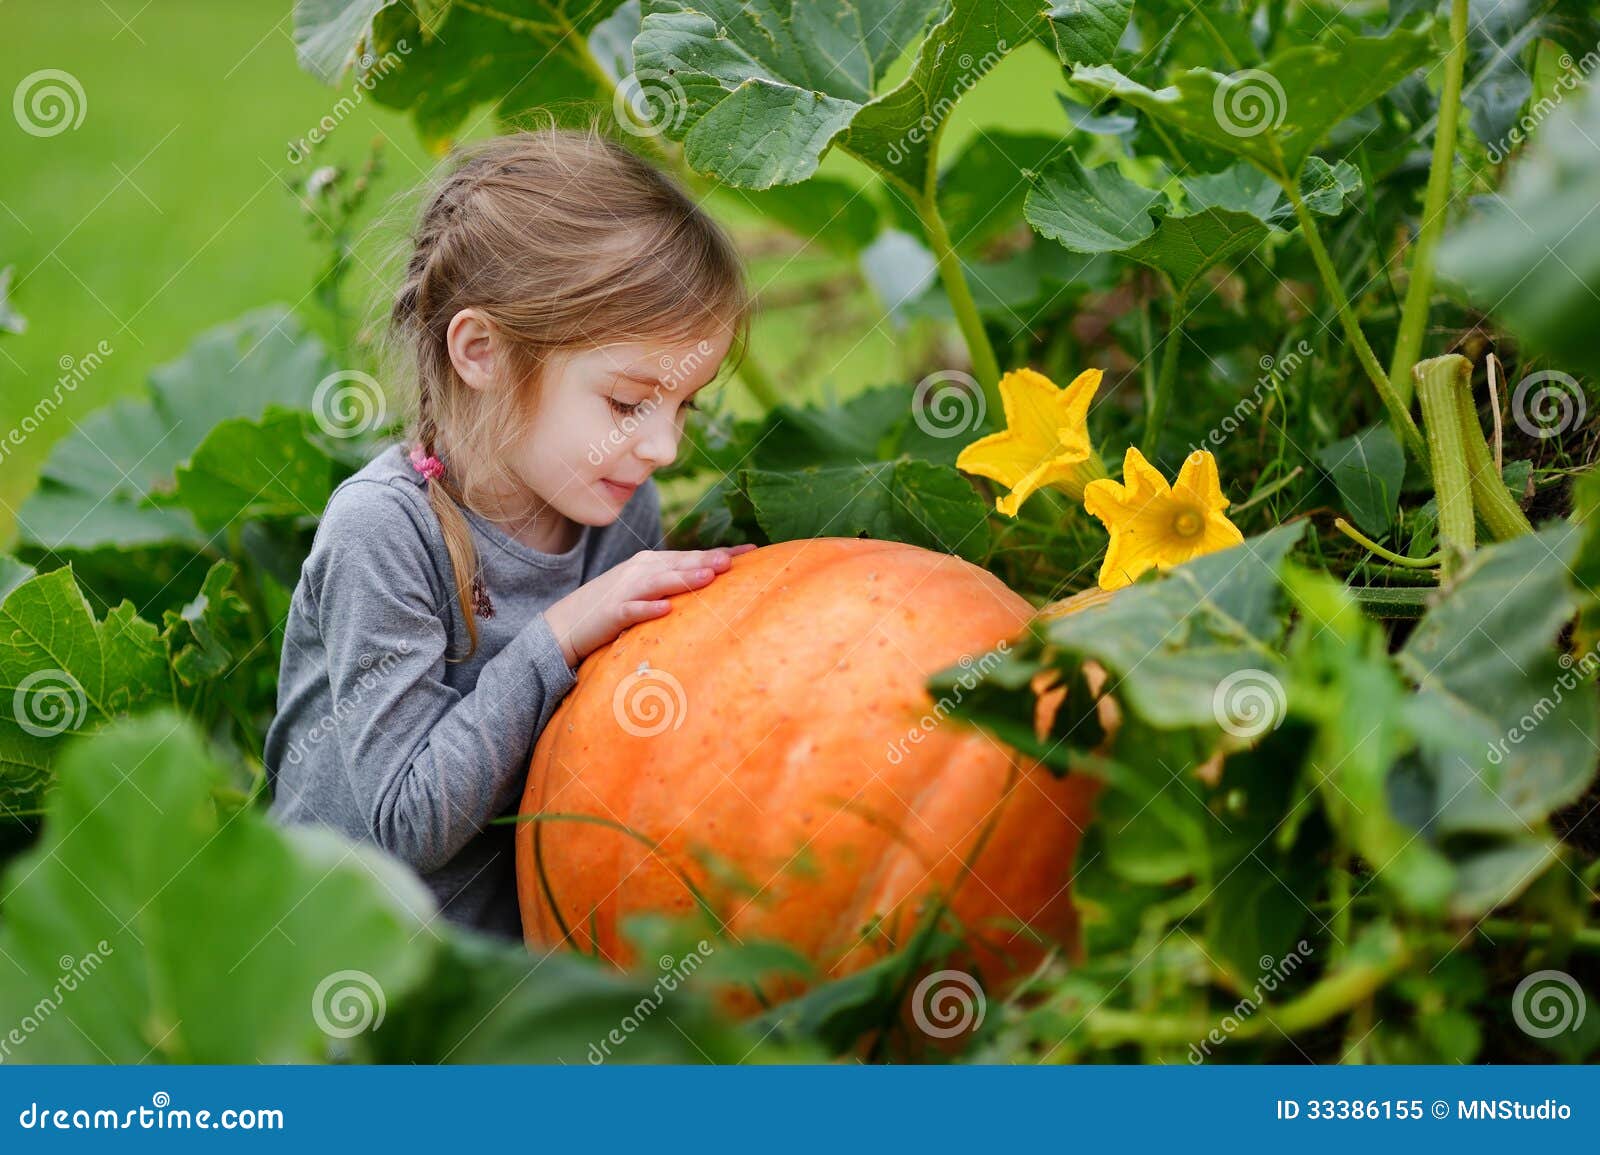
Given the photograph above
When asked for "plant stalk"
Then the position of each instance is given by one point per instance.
(1334, 995)
(985, 367)
(1435, 208)
(1166, 379)
(1501, 514)
(1438, 391)
(1399, 411)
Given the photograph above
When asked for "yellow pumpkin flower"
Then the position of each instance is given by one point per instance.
(1045, 441)
(1154, 524)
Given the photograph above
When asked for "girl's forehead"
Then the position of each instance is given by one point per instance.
(681, 358)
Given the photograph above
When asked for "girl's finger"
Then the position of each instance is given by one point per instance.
(735, 551)
(674, 582)
(642, 611)
(693, 559)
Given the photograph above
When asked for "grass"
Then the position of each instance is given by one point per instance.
(164, 211)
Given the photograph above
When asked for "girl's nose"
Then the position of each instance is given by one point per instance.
(657, 445)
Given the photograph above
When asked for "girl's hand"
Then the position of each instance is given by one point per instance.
(635, 591)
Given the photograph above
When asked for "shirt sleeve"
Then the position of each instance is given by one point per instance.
(429, 766)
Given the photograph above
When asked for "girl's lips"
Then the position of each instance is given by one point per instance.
(617, 488)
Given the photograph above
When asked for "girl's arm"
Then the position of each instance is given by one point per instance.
(430, 766)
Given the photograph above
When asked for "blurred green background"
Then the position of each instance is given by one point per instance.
(166, 210)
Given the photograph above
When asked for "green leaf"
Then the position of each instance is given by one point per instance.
(906, 500)
(981, 190)
(1088, 31)
(1171, 643)
(1275, 116)
(1532, 254)
(328, 34)
(1513, 730)
(256, 470)
(1101, 211)
(97, 476)
(61, 670)
(1246, 189)
(196, 936)
(1368, 470)
(487, 1001)
(1344, 684)
(12, 574)
(206, 635)
(766, 88)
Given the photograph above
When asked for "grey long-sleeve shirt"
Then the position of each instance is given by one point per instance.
(376, 734)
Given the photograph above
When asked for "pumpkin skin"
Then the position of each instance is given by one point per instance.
(769, 724)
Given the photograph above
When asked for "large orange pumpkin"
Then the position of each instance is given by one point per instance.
(771, 740)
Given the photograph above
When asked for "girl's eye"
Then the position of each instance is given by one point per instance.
(622, 407)
(690, 404)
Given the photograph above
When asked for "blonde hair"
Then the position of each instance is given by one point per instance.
(565, 240)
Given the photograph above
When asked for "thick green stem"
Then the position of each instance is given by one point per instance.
(985, 367)
(1435, 208)
(1167, 378)
(1501, 514)
(1337, 994)
(1399, 411)
(1439, 393)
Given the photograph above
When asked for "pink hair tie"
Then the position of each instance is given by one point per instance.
(426, 464)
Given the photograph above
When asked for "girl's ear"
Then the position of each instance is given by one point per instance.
(472, 340)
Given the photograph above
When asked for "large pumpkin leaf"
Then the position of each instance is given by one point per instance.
(905, 500)
(1101, 211)
(1532, 253)
(768, 87)
(1088, 31)
(97, 476)
(1169, 644)
(1275, 116)
(62, 670)
(266, 469)
(1517, 727)
(196, 935)
(440, 59)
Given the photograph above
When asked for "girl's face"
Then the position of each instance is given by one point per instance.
(607, 418)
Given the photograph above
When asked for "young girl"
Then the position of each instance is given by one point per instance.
(563, 303)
